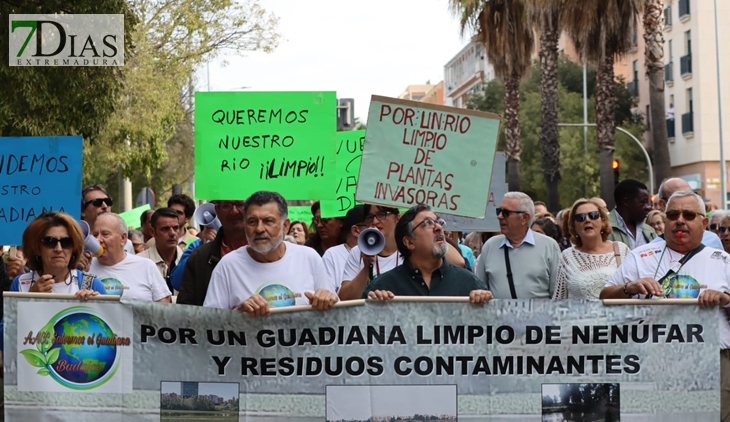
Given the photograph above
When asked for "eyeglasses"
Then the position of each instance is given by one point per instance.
(429, 223)
(51, 242)
(137, 244)
(381, 216)
(656, 223)
(723, 229)
(317, 220)
(227, 206)
(505, 212)
(98, 201)
(581, 217)
(686, 214)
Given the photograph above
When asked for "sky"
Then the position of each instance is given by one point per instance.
(355, 48)
(361, 402)
(227, 390)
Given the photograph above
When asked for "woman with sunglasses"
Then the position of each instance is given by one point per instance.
(585, 267)
(53, 243)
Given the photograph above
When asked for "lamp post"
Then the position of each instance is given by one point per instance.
(723, 176)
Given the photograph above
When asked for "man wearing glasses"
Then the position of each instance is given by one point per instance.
(519, 263)
(419, 235)
(165, 253)
(95, 200)
(192, 274)
(681, 267)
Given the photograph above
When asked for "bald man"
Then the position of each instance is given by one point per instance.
(666, 189)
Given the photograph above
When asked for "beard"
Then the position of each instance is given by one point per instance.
(440, 250)
(268, 245)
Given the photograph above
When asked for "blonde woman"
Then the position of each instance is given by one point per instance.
(585, 267)
(657, 219)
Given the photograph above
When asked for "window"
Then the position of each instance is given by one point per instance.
(688, 42)
(671, 100)
(669, 51)
(690, 105)
(636, 70)
(648, 117)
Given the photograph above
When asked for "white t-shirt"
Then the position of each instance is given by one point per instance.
(237, 277)
(334, 260)
(135, 278)
(129, 247)
(382, 264)
(69, 286)
(709, 269)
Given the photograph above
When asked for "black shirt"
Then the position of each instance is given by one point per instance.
(447, 280)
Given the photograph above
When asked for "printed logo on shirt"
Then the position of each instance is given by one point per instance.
(719, 255)
(650, 253)
(278, 295)
(682, 286)
(113, 286)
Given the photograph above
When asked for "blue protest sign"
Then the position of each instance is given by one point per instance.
(37, 174)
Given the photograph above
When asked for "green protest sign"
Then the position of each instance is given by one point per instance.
(301, 213)
(349, 153)
(417, 153)
(132, 217)
(278, 141)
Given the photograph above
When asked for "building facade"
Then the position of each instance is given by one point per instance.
(465, 74)
(188, 389)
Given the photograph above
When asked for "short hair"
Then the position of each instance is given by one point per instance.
(264, 197)
(37, 229)
(628, 188)
(393, 210)
(540, 203)
(121, 224)
(301, 223)
(404, 227)
(551, 229)
(135, 234)
(722, 214)
(525, 204)
(92, 188)
(184, 200)
(145, 216)
(660, 192)
(686, 193)
(164, 212)
(605, 225)
(654, 213)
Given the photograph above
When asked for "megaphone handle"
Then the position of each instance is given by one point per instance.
(371, 273)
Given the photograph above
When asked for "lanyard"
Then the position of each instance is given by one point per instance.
(377, 266)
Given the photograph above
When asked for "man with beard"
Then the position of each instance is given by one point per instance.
(681, 267)
(269, 272)
(419, 235)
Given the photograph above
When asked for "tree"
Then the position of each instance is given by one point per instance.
(546, 15)
(502, 27)
(654, 52)
(172, 39)
(43, 101)
(601, 34)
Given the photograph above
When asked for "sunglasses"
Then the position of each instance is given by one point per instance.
(581, 217)
(317, 220)
(713, 227)
(51, 242)
(505, 212)
(98, 201)
(723, 229)
(686, 214)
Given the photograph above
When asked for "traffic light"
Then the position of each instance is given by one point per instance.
(615, 166)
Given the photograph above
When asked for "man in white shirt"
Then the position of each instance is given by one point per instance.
(335, 257)
(165, 253)
(681, 267)
(122, 273)
(269, 272)
(95, 200)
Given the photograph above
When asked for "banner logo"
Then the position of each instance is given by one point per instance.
(76, 348)
(66, 40)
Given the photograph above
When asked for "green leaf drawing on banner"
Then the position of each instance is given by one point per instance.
(46, 333)
(52, 355)
(44, 371)
(34, 358)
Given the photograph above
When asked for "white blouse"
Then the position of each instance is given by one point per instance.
(582, 275)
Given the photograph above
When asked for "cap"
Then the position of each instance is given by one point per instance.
(355, 216)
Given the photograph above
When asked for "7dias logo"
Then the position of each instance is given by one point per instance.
(66, 40)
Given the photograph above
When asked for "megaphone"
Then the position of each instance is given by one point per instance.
(205, 216)
(371, 241)
(91, 244)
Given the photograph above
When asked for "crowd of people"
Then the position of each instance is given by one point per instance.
(258, 259)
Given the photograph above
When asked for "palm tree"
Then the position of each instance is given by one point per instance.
(501, 25)
(603, 32)
(654, 52)
(545, 15)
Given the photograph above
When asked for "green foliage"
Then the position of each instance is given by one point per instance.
(580, 170)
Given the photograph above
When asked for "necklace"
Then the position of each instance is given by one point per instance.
(70, 279)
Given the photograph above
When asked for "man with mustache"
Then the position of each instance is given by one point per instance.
(681, 267)
(269, 272)
(165, 252)
(419, 235)
(519, 263)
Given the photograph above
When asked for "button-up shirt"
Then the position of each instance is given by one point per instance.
(447, 280)
(164, 270)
